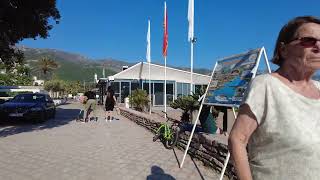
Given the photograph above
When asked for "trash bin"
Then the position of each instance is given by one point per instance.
(126, 102)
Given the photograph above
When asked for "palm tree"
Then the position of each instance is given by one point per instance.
(46, 65)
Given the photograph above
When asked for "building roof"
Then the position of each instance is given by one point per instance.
(141, 71)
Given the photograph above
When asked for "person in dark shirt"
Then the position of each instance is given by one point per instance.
(110, 103)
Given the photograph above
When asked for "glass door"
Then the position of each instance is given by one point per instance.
(125, 90)
(170, 93)
(116, 88)
(158, 94)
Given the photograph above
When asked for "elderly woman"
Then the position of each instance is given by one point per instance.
(279, 121)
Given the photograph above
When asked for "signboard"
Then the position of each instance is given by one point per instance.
(228, 84)
(230, 79)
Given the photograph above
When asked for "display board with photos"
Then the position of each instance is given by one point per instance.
(230, 79)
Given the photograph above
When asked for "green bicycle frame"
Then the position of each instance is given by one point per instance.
(167, 134)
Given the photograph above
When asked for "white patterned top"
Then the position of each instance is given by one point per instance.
(286, 144)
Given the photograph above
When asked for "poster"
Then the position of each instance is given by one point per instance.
(231, 78)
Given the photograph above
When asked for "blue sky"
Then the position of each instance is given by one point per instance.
(117, 28)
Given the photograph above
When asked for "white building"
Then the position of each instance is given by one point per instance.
(137, 76)
(37, 82)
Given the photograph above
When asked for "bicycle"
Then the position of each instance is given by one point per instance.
(167, 134)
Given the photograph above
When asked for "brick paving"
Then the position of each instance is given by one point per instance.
(64, 149)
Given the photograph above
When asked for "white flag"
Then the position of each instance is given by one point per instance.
(148, 55)
(103, 73)
(191, 20)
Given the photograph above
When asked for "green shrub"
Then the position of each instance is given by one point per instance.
(185, 103)
(55, 85)
(188, 104)
(139, 99)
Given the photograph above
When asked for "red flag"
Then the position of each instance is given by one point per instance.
(165, 32)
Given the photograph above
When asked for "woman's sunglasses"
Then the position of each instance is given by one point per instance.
(306, 42)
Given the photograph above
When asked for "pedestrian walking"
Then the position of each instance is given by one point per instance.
(83, 100)
(90, 106)
(109, 104)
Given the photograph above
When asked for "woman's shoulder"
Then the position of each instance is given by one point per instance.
(263, 77)
(262, 80)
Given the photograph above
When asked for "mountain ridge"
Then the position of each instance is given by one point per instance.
(74, 66)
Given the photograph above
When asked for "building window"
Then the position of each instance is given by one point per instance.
(134, 86)
(183, 89)
(158, 94)
(186, 89)
(198, 88)
(179, 89)
(116, 88)
(146, 87)
(170, 93)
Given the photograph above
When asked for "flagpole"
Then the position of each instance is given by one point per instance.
(150, 90)
(191, 83)
(164, 52)
(149, 61)
(165, 87)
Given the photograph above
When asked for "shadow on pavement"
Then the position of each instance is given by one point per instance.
(197, 168)
(175, 155)
(157, 173)
(63, 117)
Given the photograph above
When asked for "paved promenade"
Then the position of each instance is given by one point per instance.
(64, 149)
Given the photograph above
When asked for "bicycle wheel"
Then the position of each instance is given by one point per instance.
(171, 142)
(156, 137)
(158, 134)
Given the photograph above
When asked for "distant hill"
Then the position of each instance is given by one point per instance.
(74, 67)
